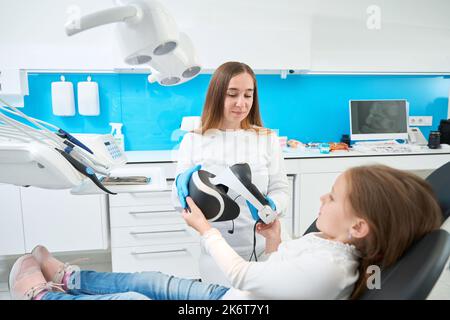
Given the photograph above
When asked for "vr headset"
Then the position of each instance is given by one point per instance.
(211, 194)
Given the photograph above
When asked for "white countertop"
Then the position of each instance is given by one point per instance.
(151, 156)
(171, 155)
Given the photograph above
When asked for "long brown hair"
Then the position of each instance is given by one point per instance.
(213, 108)
(399, 207)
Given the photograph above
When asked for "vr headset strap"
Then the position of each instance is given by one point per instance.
(229, 179)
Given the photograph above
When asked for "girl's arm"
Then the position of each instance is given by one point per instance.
(309, 277)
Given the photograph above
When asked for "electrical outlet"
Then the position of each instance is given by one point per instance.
(417, 121)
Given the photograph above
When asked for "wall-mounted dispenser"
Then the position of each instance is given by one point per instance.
(88, 98)
(63, 102)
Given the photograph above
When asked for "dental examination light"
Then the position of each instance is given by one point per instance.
(176, 67)
(147, 34)
(212, 194)
(34, 155)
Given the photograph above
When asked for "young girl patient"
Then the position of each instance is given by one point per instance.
(370, 217)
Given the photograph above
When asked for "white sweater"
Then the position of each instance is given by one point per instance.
(215, 151)
(310, 267)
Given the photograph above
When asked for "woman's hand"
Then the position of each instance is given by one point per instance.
(195, 218)
(271, 231)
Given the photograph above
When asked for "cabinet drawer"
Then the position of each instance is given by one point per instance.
(145, 215)
(141, 199)
(153, 235)
(174, 259)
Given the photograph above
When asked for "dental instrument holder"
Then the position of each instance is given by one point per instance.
(84, 170)
(65, 135)
(238, 178)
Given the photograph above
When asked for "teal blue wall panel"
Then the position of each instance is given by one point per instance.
(304, 107)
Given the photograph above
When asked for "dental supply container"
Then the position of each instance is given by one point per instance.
(116, 132)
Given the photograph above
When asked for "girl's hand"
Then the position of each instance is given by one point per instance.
(271, 231)
(195, 217)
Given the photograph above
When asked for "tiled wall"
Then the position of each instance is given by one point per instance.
(304, 107)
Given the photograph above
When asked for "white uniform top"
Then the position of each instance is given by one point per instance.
(215, 151)
(310, 267)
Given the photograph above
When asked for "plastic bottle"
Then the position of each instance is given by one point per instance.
(116, 132)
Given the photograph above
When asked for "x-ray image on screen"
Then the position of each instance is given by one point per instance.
(384, 116)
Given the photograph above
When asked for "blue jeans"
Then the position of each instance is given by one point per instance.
(91, 285)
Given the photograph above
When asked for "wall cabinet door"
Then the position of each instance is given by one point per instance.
(269, 35)
(64, 222)
(385, 36)
(11, 229)
(49, 47)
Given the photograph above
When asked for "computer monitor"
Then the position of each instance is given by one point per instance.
(378, 119)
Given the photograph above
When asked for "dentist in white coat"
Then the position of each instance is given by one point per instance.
(232, 132)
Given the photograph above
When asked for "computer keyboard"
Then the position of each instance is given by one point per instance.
(382, 147)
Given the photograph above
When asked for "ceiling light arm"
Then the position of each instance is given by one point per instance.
(129, 13)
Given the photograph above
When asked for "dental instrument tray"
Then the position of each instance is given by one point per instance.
(131, 180)
(156, 181)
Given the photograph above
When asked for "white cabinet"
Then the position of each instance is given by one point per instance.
(54, 218)
(314, 176)
(287, 225)
(64, 222)
(313, 186)
(319, 35)
(33, 37)
(13, 86)
(11, 228)
(269, 35)
(383, 36)
(147, 234)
